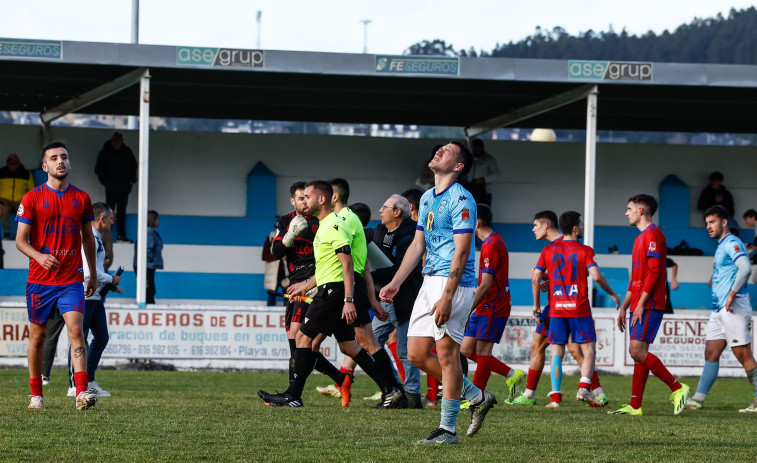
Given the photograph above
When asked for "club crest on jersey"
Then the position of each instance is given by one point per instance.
(75, 203)
(736, 248)
(20, 212)
(465, 215)
(46, 203)
(442, 205)
(652, 246)
(486, 262)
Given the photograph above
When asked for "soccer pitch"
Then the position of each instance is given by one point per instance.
(183, 416)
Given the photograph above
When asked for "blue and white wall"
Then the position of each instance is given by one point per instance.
(213, 233)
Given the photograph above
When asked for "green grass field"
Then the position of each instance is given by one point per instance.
(182, 416)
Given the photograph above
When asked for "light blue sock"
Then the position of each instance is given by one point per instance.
(450, 409)
(470, 391)
(556, 374)
(709, 375)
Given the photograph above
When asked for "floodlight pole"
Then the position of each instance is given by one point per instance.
(365, 34)
(258, 17)
(143, 182)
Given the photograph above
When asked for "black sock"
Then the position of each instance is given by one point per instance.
(292, 356)
(368, 364)
(327, 368)
(464, 364)
(384, 364)
(303, 366)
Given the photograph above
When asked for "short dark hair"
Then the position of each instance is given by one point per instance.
(484, 214)
(547, 216)
(101, 209)
(716, 176)
(413, 196)
(341, 186)
(476, 142)
(568, 220)
(717, 210)
(323, 187)
(649, 203)
(296, 186)
(152, 216)
(362, 211)
(750, 213)
(49, 146)
(465, 157)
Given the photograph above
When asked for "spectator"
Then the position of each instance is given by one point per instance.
(413, 195)
(154, 254)
(15, 181)
(716, 194)
(426, 179)
(673, 284)
(116, 169)
(484, 171)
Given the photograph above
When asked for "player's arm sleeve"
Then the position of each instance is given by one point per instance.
(277, 248)
(738, 253)
(463, 213)
(656, 270)
(88, 215)
(488, 260)
(590, 259)
(541, 264)
(25, 213)
(339, 238)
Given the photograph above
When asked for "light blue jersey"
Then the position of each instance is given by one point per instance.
(724, 270)
(440, 217)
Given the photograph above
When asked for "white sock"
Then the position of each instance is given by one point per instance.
(699, 397)
(510, 373)
(598, 391)
(529, 393)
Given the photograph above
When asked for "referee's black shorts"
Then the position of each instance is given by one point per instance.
(324, 316)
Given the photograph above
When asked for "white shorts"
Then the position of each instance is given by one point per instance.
(423, 325)
(735, 328)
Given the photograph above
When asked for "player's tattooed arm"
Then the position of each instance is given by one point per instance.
(78, 352)
(455, 273)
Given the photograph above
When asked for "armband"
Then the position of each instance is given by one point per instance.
(344, 250)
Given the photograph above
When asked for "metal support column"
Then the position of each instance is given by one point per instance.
(143, 176)
(591, 172)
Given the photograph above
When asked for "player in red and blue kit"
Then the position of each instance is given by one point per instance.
(491, 306)
(54, 224)
(568, 264)
(646, 297)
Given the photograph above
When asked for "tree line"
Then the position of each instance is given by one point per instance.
(721, 40)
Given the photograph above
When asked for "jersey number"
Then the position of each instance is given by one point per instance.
(559, 261)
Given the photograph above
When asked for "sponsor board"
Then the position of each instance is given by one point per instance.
(44, 49)
(14, 332)
(609, 70)
(219, 57)
(436, 65)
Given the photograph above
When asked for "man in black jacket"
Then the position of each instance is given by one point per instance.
(393, 236)
(116, 169)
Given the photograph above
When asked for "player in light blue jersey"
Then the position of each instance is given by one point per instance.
(446, 222)
(731, 317)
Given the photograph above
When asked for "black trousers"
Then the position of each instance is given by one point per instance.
(116, 196)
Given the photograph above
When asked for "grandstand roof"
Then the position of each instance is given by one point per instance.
(365, 88)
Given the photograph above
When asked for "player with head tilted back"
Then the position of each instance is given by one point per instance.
(646, 297)
(446, 221)
(294, 241)
(54, 225)
(569, 264)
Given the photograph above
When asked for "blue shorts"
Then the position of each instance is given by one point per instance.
(543, 327)
(42, 299)
(485, 328)
(646, 329)
(579, 330)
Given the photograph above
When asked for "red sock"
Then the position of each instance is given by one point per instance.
(400, 368)
(533, 379)
(582, 385)
(658, 369)
(638, 384)
(473, 357)
(595, 381)
(483, 371)
(432, 386)
(556, 397)
(35, 384)
(81, 379)
(498, 366)
(344, 370)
